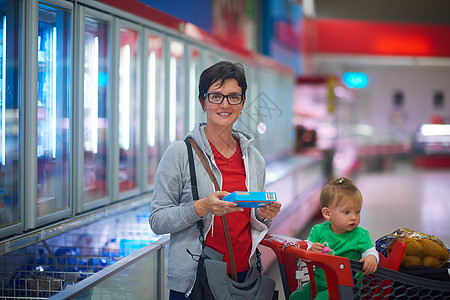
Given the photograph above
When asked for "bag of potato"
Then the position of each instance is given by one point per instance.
(421, 249)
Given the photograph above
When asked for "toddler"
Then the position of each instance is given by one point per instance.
(341, 203)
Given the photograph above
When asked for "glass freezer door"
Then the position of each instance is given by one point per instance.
(177, 94)
(128, 109)
(96, 99)
(53, 103)
(155, 96)
(10, 129)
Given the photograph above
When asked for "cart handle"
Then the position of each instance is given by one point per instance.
(287, 264)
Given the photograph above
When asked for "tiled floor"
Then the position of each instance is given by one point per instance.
(403, 196)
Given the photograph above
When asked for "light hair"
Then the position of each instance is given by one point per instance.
(339, 190)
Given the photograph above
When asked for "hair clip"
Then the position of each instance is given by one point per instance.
(341, 180)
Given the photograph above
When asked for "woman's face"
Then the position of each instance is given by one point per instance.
(223, 115)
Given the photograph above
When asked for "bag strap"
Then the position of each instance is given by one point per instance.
(204, 162)
(224, 218)
(194, 189)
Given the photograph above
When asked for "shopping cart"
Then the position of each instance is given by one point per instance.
(340, 272)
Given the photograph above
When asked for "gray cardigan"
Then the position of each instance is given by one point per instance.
(172, 206)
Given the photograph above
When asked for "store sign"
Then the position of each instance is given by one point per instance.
(357, 80)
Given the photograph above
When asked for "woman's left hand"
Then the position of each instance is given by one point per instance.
(269, 211)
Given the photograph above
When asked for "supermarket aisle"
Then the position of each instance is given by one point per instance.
(404, 196)
(407, 196)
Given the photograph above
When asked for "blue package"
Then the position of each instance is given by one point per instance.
(251, 199)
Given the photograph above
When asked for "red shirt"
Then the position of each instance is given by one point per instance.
(233, 179)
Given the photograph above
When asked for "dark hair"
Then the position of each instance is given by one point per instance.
(219, 72)
(337, 190)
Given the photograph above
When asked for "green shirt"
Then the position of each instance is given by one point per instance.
(350, 244)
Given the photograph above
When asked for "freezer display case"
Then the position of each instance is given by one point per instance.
(431, 146)
(48, 267)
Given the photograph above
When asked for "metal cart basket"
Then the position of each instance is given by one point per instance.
(340, 272)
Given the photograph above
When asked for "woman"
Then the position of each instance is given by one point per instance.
(236, 164)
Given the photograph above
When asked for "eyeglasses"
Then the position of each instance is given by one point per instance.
(216, 98)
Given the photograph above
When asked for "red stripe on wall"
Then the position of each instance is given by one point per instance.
(377, 38)
(145, 11)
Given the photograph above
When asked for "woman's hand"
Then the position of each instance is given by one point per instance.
(215, 205)
(269, 211)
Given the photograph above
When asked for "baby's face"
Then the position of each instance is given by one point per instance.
(345, 216)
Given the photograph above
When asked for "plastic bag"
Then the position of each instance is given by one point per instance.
(421, 249)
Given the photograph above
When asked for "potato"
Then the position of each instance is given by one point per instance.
(443, 255)
(413, 247)
(411, 261)
(430, 261)
(430, 248)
